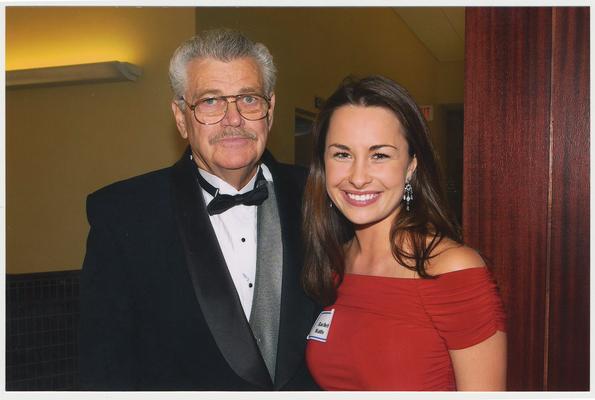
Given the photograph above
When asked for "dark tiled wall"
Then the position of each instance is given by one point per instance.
(42, 313)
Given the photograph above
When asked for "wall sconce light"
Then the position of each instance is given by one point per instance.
(108, 71)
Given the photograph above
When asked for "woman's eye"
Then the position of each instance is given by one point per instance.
(379, 156)
(341, 155)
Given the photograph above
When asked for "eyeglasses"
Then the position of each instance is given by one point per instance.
(212, 110)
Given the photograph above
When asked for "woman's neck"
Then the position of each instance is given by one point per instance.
(370, 245)
(371, 239)
(370, 253)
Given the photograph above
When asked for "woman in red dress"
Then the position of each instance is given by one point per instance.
(407, 306)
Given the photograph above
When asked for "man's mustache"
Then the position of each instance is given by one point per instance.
(232, 133)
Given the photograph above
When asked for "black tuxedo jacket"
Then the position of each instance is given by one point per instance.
(159, 310)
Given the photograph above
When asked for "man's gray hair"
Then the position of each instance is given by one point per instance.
(223, 45)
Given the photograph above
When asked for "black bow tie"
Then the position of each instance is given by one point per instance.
(223, 202)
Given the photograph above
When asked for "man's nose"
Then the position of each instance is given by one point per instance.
(232, 116)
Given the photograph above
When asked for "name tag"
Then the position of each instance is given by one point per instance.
(322, 326)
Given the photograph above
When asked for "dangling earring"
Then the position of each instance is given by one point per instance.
(408, 194)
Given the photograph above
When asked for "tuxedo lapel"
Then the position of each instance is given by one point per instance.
(295, 321)
(266, 304)
(212, 283)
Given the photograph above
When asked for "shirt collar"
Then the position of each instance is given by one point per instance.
(226, 188)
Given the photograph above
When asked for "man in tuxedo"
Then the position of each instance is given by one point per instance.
(191, 280)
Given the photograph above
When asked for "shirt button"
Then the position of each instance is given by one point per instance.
(243, 240)
(250, 285)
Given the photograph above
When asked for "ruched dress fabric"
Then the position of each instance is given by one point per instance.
(394, 334)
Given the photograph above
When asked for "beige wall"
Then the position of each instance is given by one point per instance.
(450, 79)
(314, 48)
(64, 142)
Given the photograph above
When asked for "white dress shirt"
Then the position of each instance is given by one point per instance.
(236, 233)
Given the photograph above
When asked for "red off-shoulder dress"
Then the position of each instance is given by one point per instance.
(395, 333)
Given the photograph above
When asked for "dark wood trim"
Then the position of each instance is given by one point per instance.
(569, 290)
(526, 182)
(506, 167)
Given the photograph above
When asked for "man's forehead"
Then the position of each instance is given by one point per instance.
(209, 72)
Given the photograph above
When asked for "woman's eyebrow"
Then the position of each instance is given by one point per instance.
(338, 145)
(379, 146)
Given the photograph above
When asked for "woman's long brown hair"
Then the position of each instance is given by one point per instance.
(326, 230)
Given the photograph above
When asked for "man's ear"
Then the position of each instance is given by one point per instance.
(411, 168)
(271, 111)
(180, 119)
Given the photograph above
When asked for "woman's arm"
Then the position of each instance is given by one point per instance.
(481, 367)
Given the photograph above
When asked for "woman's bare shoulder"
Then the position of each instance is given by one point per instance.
(450, 256)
